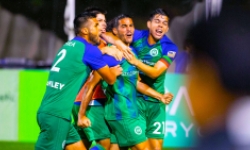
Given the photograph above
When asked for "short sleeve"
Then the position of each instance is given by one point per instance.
(93, 58)
(110, 60)
(169, 51)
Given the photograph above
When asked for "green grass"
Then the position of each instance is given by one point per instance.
(16, 146)
(30, 146)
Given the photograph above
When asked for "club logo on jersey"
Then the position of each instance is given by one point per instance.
(138, 130)
(153, 52)
(171, 54)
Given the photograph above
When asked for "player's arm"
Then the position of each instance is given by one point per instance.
(93, 57)
(152, 72)
(112, 39)
(88, 90)
(109, 74)
(112, 51)
(146, 90)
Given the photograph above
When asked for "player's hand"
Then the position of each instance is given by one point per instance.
(126, 50)
(132, 59)
(83, 122)
(113, 51)
(116, 70)
(166, 98)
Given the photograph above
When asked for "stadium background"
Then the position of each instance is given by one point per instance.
(32, 31)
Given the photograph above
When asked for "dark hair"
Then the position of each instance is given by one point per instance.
(81, 19)
(159, 11)
(115, 22)
(95, 10)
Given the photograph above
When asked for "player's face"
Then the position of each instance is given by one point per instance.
(102, 22)
(94, 31)
(125, 30)
(158, 26)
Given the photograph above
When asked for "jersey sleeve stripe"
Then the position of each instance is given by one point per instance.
(165, 62)
(167, 59)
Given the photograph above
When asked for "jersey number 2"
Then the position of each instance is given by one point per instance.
(63, 54)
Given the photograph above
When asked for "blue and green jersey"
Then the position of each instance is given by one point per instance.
(164, 50)
(121, 96)
(70, 69)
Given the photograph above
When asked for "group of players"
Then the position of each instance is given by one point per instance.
(118, 87)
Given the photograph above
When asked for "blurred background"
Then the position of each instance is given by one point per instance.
(31, 32)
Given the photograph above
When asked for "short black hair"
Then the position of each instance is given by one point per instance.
(158, 11)
(95, 10)
(115, 21)
(80, 20)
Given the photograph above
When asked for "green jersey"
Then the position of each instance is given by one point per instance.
(121, 96)
(70, 69)
(164, 50)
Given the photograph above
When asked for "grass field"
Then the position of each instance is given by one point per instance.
(30, 146)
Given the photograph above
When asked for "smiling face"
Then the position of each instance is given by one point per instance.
(125, 30)
(158, 26)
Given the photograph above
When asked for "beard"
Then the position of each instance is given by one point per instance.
(94, 39)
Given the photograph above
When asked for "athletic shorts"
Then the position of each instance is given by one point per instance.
(99, 129)
(55, 133)
(155, 116)
(128, 132)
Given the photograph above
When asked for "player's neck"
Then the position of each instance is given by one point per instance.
(86, 37)
(151, 40)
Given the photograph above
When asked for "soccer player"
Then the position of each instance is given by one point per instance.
(121, 109)
(70, 69)
(155, 52)
(154, 49)
(99, 130)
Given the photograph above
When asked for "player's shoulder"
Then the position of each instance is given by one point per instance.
(168, 44)
(134, 50)
(140, 34)
(81, 41)
(143, 33)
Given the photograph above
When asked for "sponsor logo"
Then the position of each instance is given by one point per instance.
(138, 130)
(71, 44)
(171, 54)
(153, 52)
(129, 73)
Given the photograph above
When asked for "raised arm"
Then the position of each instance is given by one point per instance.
(112, 39)
(87, 92)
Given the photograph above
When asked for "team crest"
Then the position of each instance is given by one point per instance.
(154, 52)
(138, 130)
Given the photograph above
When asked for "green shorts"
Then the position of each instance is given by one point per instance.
(99, 129)
(55, 132)
(155, 116)
(128, 132)
(113, 139)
